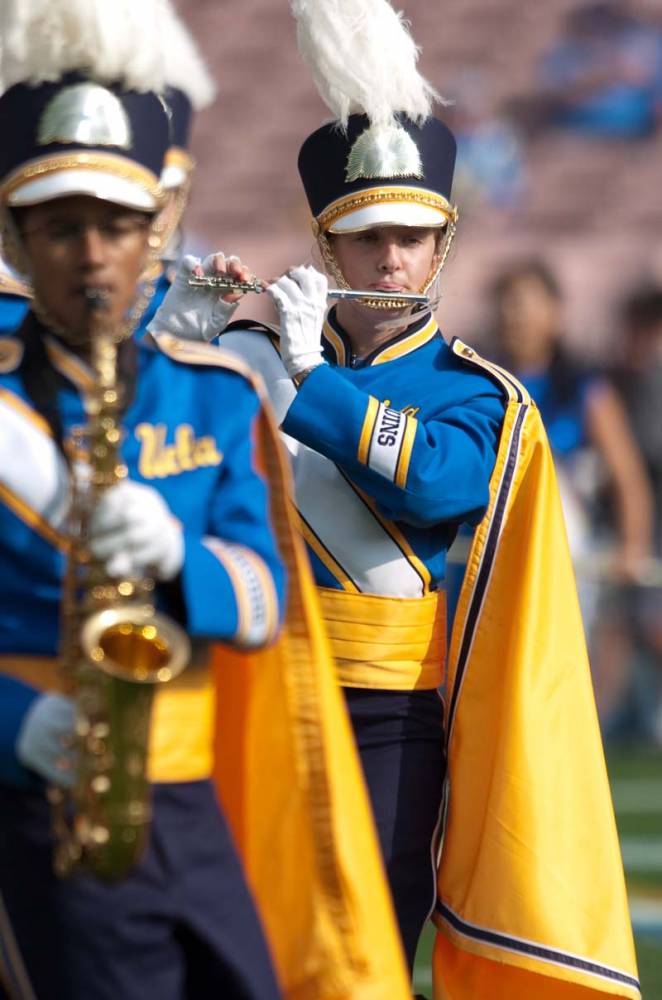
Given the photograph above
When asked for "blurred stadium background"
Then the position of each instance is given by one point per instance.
(536, 176)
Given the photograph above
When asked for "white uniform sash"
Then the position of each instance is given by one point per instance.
(33, 472)
(332, 509)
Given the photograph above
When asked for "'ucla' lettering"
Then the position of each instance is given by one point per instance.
(158, 459)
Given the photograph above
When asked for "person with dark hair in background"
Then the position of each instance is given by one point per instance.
(637, 377)
(579, 408)
(592, 441)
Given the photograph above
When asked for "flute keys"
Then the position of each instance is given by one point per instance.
(224, 283)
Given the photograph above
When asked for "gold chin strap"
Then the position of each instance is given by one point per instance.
(442, 257)
(439, 260)
(143, 297)
(166, 223)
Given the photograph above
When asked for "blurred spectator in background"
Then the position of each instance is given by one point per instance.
(592, 442)
(584, 417)
(638, 379)
(604, 76)
(490, 166)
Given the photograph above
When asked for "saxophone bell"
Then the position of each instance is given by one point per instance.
(132, 643)
(115, 649)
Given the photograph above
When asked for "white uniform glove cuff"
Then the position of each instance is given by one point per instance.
(295, 366)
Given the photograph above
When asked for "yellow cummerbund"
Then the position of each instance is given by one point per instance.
(389, 643)
(183, 716)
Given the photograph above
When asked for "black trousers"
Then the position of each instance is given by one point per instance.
(182, 925)
(400, 740)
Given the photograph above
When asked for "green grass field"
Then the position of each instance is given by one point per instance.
(636, 781)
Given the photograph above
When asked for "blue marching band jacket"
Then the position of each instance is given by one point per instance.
(177, 439)
(390, 455)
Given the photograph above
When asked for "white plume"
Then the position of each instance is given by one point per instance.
(140, 43)
(363, 59)
(185, 68)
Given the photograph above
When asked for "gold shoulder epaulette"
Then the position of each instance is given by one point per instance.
(9, 285)
(511, 386)
(11, 352)
(194, 352)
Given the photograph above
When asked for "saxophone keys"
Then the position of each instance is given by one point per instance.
(99, 835)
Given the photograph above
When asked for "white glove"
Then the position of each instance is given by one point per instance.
(300, 296)
(133, 530)
(197, 313)
(45, 740)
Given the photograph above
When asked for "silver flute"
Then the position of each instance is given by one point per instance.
(226, 283)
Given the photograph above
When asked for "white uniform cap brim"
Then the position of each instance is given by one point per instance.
(389, 214)
(95, 183)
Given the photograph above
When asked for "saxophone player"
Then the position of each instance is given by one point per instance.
(82, 153)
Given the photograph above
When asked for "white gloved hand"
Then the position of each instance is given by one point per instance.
(133, 530)
(45, 741)
(198, 313)
(300, 296)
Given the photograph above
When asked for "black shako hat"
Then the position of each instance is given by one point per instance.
(181, 114)
(77, 136)
(375, 175)
(178, 161)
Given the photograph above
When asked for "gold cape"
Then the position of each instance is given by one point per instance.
(290, 780)
(532, 902)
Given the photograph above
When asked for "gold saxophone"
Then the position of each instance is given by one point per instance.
(114, 649)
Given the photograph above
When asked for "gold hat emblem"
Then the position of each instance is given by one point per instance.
(383, 151)
(87, 114)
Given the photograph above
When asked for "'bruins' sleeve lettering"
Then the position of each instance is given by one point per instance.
(421, 469)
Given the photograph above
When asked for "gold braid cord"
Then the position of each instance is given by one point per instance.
(130, 324)
(167, 221)
(117, 166)
(330, 261)
(437, 268)
(379, 196)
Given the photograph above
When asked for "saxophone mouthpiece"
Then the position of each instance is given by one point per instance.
(96, 299)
